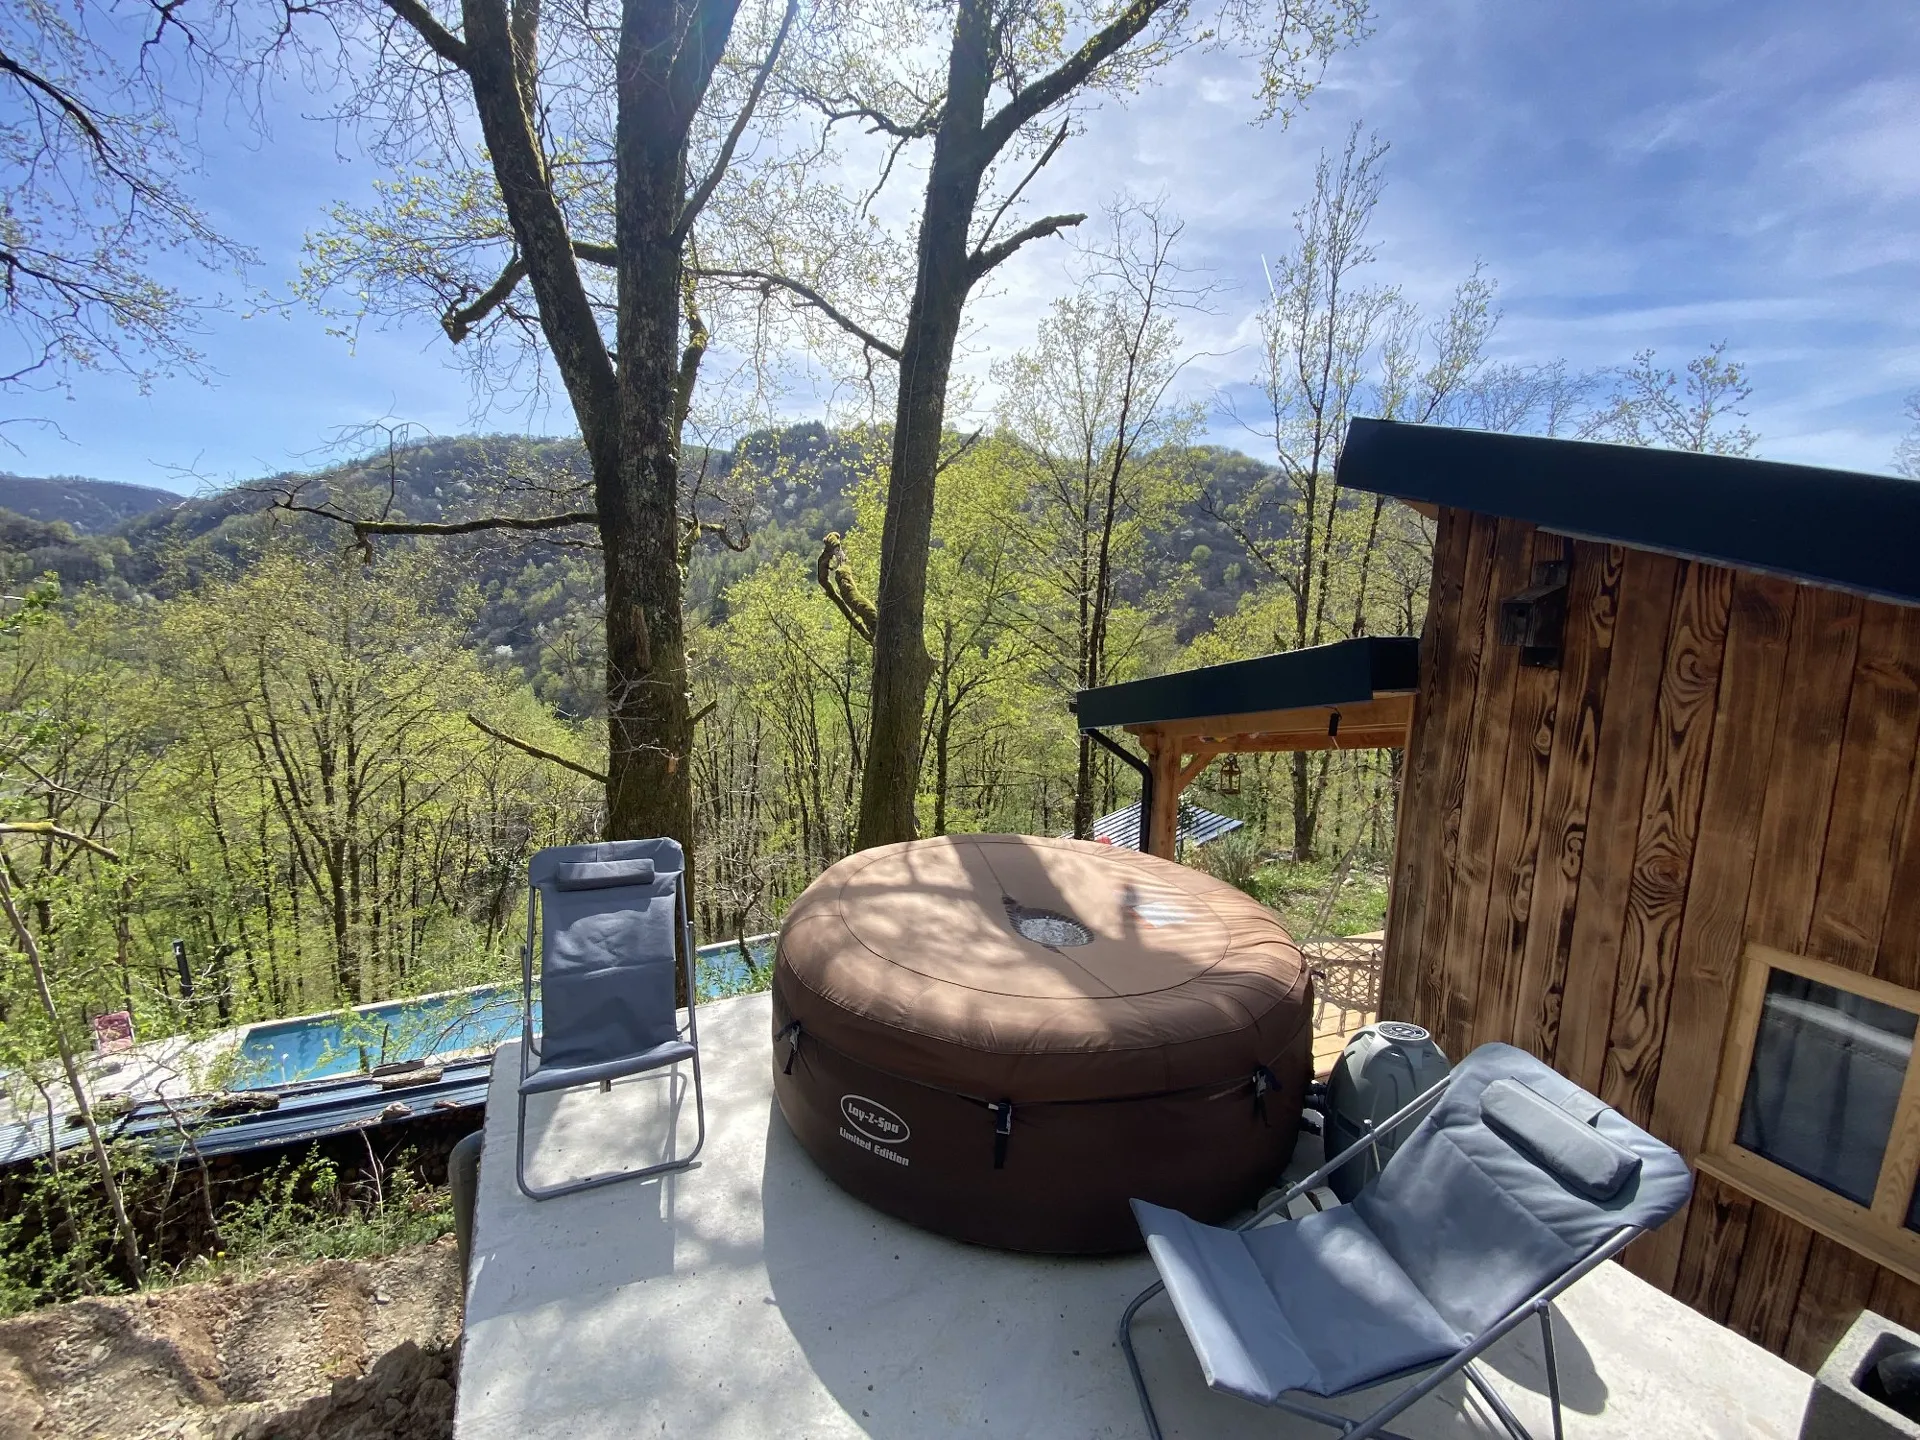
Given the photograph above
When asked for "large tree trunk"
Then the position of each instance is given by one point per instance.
(649, 731)
(627, 418)
(901, 666)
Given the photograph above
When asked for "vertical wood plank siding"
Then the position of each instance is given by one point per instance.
(1720, 757)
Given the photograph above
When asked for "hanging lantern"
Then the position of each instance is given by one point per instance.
(1230, 775)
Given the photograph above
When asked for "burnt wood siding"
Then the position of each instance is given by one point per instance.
(1722, 757)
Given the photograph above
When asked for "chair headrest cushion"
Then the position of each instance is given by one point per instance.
(602, 874)
(1575, 1154)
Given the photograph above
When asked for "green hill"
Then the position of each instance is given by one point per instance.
(533, 600)
(89, 507)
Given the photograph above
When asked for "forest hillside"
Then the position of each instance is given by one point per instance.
(284, 747)
(783, 490)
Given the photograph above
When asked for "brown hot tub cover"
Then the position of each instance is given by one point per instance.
(1006, 1038)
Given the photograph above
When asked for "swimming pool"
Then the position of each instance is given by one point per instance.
(313, 1047)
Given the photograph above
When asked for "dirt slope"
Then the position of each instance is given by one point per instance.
(347, 1350)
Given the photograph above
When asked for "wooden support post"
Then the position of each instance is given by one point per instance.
(1196, 766)
(1163, 825)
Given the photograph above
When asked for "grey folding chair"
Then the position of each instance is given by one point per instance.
(611, 925)
(1515, 1185)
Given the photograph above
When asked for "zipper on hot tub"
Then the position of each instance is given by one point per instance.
(1261, 1081)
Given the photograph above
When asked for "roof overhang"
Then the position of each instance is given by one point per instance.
(1347, 695)
(1838, 528)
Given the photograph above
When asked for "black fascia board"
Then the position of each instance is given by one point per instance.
(1839, 528)
(1343, 673)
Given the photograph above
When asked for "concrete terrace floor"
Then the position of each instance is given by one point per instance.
(750, 1297)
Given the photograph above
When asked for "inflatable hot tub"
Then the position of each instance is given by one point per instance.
(1005, 1038)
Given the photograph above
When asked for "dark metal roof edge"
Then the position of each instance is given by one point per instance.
(1344, 672)
(1396, 664)
(1845, 529)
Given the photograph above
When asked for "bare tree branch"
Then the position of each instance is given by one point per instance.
(767, 282)
(459, 320)
(439, 39)
(983, 260)
(835, 108)
(365, 530)
(46, 829)
(953, 456)
(697, 201)
(535, 750)
(1059, 139)
(459, 527)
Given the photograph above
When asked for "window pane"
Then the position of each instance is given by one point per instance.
(1825, 1080)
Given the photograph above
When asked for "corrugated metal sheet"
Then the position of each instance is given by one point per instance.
(1197, 827)
(305, 1112)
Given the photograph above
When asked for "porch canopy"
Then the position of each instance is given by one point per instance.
(1350, 695)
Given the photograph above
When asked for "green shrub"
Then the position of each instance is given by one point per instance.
(304, 1212)
(1234, 858)
(57, 1240)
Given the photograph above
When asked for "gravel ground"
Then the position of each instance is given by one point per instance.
(350, 1350)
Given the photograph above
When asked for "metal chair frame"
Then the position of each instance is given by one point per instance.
(530, 1049)
(1460, 1362)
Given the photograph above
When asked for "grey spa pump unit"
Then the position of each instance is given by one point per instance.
(1382, 1069)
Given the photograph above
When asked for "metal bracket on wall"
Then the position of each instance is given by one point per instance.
(1536, 618)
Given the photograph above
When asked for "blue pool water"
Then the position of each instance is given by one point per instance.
(316, 1046)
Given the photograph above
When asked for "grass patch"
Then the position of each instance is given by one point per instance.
(305, 1212)
(1298, 891)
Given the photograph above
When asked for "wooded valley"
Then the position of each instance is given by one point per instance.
(285, 746)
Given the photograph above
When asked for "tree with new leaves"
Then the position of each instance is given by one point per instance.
(1089, 421)
(27, 731)
(985, 91)
(93, 148)
(1906, 456)
(606, 133)
(1650, 404)
(1335, 345)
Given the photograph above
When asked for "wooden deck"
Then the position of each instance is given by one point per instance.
(1346, 991)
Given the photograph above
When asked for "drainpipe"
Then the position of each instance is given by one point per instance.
(1146, 781)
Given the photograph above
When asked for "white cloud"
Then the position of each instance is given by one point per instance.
(1643, 174)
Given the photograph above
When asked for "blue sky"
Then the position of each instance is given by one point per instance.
(1635, 174)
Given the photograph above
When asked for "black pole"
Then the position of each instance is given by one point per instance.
(1146, 781)
(186, 972)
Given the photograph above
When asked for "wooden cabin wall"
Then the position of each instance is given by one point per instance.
(1720, 757)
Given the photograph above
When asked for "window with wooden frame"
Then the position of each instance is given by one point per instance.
(1817, 1107)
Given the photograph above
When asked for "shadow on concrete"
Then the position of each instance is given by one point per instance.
(1520, 1359)
(887, 1316)
(532, 1253)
